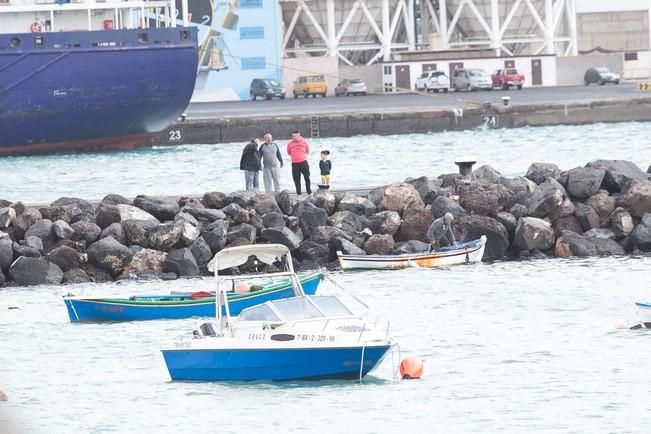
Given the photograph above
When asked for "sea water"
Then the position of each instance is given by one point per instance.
(528, 346)
(360, 161)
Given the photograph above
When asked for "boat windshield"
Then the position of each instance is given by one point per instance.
(261, 312)
(331, 305)
(297, 308)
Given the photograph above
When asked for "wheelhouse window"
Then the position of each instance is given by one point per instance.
(331, 305)
(261, 312)
(297, 308)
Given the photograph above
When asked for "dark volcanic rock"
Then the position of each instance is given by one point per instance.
(7, 217)
(385, 222)
(310, 216)
(207, 214)
(583, 182)
(325, 200)
(450, 180)
(376, 194)
(215, 235)
(567, 223)
(546, 199)
(34, 242)
(411, 246)
(41, 229)
(116, 231)
(164, 236)
(356, 204)
(201, 252)
(85, 230)
(472, 227)
(281, 235)
(242, 198)
(144, 261)
(65, 257)
(636, 198)
(265, 203)
(348, 248)
(486, 174)
(214, 199)
(618, 173)
(86, 208)
(96, 274)
(62, 230)
(415, 222)
(273, 220)
(483, 199)
(241, 232)
(508, 220)
(379, 244)
(314, 252)
(622, 222)
(76, 275)
(35, 271)
(6, 253)
(115, 199)
(587, 216)
(348, 221)
(641, 235)
(285, 202)
(442, 205)
(236, 213)
(21, 250)
(572, 244)
(109, 255)
(68, 213)
(181, 262)
(137, 231)
(162, 209)
(518, 185)
(398, 197)
(130, 212)
(533, 233)
(427, 188)
(602, 203)
(539, 172)
(106, 215)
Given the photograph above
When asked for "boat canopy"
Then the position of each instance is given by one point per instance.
(296, 308)
(234, 256)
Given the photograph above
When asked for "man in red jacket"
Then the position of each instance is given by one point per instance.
(298, 149)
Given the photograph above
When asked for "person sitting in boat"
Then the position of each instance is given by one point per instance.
(440, 232)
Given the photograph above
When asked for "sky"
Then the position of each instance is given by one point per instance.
(611, 5)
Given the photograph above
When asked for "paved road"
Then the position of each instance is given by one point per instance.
(411, 101)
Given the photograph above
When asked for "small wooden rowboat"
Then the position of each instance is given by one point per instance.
(471, 251)
(173, 306)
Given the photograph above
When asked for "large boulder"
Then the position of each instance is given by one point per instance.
(204, 214)
(214, 199)
(641, 235)
(106, 215)
(137, 230)
(162, 209)
(96, 274)
(442, 205)
(68, 213)
(241, 198)
(164, 236)
(77, 208)
(546, 199)
(86, 231)
(415, 222)
(144, 261)
(450, 180)
(215, 235)
(62, 230)
(348, 221)
(572, 244)
(519, 210)
(236, 213)
(281, 235)
(602, 203)
(508, 220)
(636, 198)
(385, 222)
(35, 271)
(181, 262)
(273, 220)
(483, 199)
(486, 174)
(356, 204)
(379, 244)
(533, 233)
(115, 199)
(109, 255)
(7, 217)
(587, 216)
(130, 212)
(618, 173)
(76, 275)
(22, 250)
(567, 223)
(327, 236)
(6, 253)
(518, 185)
(314, 252)
(285, 202)
(472, 227)
(41, 229)
(539, 172)
(245, 233)
(411, 246)
(265, 203)
(201, 252)
(622, 222)
(34, 242)
(324, 199)
(376, 194)
(347, 247)
(427, 188)
(65, 257)
(310, 216)
(398, 197)
(604, 242)
(583, 182)
(115, 230)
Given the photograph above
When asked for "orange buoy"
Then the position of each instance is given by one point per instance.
(411, 368)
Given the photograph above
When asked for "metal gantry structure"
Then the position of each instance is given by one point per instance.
(367, 31)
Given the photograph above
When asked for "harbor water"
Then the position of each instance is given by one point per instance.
(514, 347)
(360, 161)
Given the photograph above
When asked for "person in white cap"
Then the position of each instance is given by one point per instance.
(440, 232)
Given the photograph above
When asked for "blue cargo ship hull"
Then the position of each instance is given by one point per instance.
(95, 90)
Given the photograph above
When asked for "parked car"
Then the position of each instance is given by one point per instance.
(471, 79)
(266, 88)
(433, 81)
(351, 87)
(601, 75)
(310, 85)
(505, 78)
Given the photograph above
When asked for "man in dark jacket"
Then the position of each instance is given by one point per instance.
(250, 164)
(440, 232)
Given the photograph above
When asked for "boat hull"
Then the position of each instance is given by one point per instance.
(98, 90)
(273, 364)
(644, 315)
(472, 251)
(96, 310)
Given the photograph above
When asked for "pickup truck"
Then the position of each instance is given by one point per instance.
(505, 78)
(433, 81)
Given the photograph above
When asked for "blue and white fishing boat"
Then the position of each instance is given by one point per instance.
(643, 314)
(184, 305)
(299, 338)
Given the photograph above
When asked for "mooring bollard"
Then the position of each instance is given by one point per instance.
(505, 100)
(465, 167)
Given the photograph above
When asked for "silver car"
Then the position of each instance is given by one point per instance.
(351, 87)
(471, 79)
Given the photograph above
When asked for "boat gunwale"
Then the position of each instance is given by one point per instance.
(411, 256)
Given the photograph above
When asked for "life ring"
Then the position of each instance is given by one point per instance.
(36, 27)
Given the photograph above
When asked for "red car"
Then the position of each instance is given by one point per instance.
(505, 78)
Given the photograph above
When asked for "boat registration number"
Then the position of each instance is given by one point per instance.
(315, 338)
(182, 344)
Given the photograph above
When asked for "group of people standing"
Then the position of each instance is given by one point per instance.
(266, 157)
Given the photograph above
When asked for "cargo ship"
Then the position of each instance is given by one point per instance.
(92, 76)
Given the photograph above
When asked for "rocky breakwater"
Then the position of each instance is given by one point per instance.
(603, 208)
